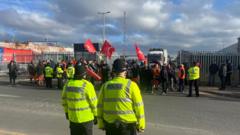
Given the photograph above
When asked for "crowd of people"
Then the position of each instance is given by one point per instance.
(44, 71)
(154, 78)
(224, 72)
(151, 78)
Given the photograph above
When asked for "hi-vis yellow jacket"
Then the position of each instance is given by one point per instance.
(59, 72)
(70, 72)
(48, 71)
(194, 73)
(120, 100)
(79, 101)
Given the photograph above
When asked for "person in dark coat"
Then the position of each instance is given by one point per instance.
(135, 72)
(31, 71)
(12, 67)
(105, 71)
(164, 79)
(229, 72)
(171, 77)
(141, 75)
(222, 75)
(147, 77)
(213, 69)
(238, 74)
(186, 65)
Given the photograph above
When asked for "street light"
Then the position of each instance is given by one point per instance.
(103, 15)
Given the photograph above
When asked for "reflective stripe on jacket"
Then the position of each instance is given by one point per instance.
(70, 72)
(48, 72)
(194, 73)
(79, 101)
(120, 100)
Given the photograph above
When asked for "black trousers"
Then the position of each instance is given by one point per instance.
(181, 85)
(228, 79)
(164, 86)
(120, 128)
(60, 83)
(48, 82)
(85, 128)
(12, 80)
(195, 82)
(223, 82)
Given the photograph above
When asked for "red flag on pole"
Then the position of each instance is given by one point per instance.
(110, 52)
(89, 46)
(93, 74)
(107, 49)
(140, 54)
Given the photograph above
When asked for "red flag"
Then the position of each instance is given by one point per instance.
(110, 52)
(105, 47)
(89, 46)
(140, 54)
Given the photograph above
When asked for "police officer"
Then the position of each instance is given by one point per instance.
(80, 103)
(120, 106)
(70, 71)
(194, 75)
(59, 72)
(48, 75)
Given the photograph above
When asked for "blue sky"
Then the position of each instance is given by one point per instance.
(170, 24)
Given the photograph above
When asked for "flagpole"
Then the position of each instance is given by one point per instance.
(104, 21)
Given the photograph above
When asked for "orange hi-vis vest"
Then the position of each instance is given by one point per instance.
(181, 73)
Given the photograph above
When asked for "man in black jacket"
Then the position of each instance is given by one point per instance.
(229, 72)
(213, 69)
(238, 74)
(164, 79)
(12, 67)
(222, 75)
(105, 71)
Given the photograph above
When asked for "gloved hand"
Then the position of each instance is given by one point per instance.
(95, 120)
(66, 114)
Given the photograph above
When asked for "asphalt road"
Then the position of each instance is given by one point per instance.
(26, 110)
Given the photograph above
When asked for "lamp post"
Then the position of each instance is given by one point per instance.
(103, 15)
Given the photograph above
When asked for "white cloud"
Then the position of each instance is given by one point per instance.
(180, 26)
(190, 24)
(153, 7)
(148, 22)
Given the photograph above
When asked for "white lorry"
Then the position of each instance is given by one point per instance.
(158, 55)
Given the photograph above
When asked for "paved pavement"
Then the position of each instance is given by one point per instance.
(232, 92)
(27, 110)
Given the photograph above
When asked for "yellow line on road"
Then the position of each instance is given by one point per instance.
(4, 132)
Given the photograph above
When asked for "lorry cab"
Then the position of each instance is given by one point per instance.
(157, 55)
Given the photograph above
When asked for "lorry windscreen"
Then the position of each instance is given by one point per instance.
(154, 57)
